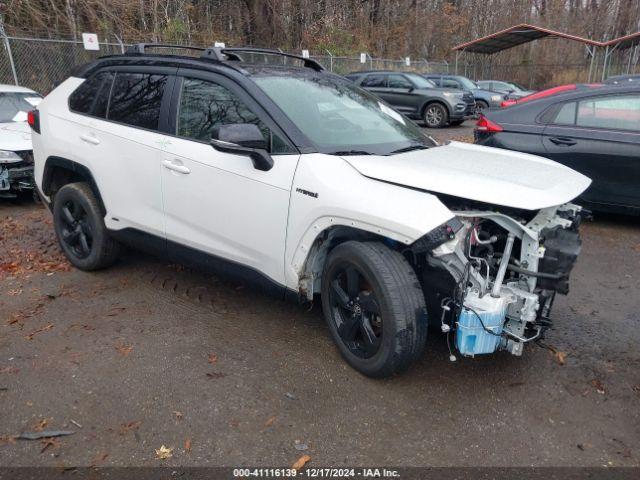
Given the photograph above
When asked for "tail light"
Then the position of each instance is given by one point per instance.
(33, 119)
(485, 125)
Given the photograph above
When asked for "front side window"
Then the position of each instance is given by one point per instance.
(136, 99)
(398, 81)
(619, 112)
(339, 117)
(206, 105)
(14, 106)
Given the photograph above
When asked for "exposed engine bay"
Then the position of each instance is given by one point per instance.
(490, 278)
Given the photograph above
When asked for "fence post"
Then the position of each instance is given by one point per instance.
(7, 45)
(330, 60)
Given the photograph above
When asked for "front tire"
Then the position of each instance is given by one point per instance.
(80, 228)
(374, 307)
(436, 115)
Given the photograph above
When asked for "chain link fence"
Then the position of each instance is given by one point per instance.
(40, 64)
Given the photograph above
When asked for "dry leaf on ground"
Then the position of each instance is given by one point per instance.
(39, 330)
(270, 421)
(301, 462)
(599, 386)
(213, 358)
(163, 452)
(123, 349)
(178, 414)
(127, 427)
(187, 445)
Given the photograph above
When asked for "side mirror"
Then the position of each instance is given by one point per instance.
(243, 139)
(410, 89)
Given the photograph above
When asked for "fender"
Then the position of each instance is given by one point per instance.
(79, 172)
(328, 192)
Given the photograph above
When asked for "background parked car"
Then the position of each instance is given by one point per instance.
(510, 89)
(417, 97)
(594, 130)
(622, 79)
(16, 152)
(484, 98)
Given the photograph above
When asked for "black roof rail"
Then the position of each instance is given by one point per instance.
(141, 47)
(229, 53)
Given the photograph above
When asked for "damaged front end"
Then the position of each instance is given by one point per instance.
(16, 173)
(490, 278)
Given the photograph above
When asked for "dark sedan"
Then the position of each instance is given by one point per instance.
(592, 129)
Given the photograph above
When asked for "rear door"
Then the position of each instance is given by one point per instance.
(599, 136)
(376, 83)
(122, 141)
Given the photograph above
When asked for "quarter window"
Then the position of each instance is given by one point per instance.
(83, 99)
(566, 115)
(136, 99)
(205, 105)
(619, 112)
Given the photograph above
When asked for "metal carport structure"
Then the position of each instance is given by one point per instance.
(519, 35)
(628, 42)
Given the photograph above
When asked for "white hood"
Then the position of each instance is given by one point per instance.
(15, 136)
(490, 175)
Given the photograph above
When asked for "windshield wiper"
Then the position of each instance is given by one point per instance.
(351, 152)
(408, 149)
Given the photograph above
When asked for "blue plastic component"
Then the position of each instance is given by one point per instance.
(471, 338)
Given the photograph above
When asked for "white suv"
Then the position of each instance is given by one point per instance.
(296, 179)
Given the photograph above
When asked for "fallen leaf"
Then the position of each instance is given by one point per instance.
(163, 452)
(178, 415)
(213, 358)
(127, 427)
(15, 291)
(49, 442)
(11, 370)
(41, 425)
(99, 458)
(270, 421)
(40, 330)
(216, 375)
(599, 386)
(187, 445)
(301, 462)
(124, 350)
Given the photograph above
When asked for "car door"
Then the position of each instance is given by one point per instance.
(376, 83)
(401, 94)
(123, 146)
(599, 136)
(217, 203)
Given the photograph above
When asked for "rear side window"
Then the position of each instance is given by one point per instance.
(620, 112)
(374, 81)
(136, 99)
(83, 99)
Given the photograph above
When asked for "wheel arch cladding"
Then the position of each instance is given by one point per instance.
(59, 171)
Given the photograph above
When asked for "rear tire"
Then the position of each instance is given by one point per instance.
(80, 228)
(374, 307)
(435, 115)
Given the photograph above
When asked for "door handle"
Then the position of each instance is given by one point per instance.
(562, 141)
(170, 165)
(90, 139)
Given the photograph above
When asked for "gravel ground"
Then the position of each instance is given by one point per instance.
(147, 354)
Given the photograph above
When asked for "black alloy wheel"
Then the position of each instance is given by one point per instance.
(355, 311)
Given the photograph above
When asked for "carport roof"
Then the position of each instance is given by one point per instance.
(628, 41)
(514, 36)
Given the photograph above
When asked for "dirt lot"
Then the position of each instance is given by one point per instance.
(148, 354)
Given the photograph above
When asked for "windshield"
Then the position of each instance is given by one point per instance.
(467, 84)
(341, 118)
(15, 105)
(420, 82)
